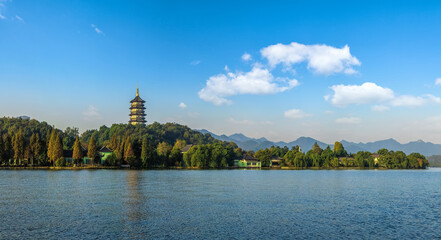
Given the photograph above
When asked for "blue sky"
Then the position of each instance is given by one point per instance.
(332, 70)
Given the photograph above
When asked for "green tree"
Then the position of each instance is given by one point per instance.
(91, 150)
(113, 143)
(2, 150)
(51, 144)
(335, 162)
(7, 141)
(163, 150)
(317, 149)
(175, 156)
(35, 147)
(77, 154)
(19, 146)
(57, 153)
(60, 162)
(69, 138)
(129, 155)
(339, 150)
(264, 156)
(145, 153)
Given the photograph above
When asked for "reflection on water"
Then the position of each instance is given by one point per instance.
(225, 204)
(136, 206)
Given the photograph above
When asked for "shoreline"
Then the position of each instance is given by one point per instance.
(196, 168)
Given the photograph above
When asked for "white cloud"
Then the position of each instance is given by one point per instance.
(257, 81)
(329, 112)
(97, 30)
(321, 59)
(182, 105)
(370, 93)
(412, 101)
(348, 120)
(246, 57)
(195, 62)
(2, 17)
(359, 94)
(240, 122)
(19, 18)
(438, 81)
(432, 98)
(295, 114)
(91, 113)
(407, 100)
(380, 108)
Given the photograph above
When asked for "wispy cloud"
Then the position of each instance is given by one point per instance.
(195, 62)
(379, 108)
(371, 93)
(2, 6)
(438, 81)
(91, 113)
(412, 101)
(295, 114)
(240, 122)
(348, 120)
(19, 18)
(182, 105)
(97, 30)
(246, 57)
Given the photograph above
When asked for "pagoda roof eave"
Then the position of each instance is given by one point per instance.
(137, 99)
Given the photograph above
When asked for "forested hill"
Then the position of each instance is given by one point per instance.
(155, 133)
(24, 142)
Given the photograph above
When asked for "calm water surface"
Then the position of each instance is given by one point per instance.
(220, 204)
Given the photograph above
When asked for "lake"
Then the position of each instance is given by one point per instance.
(220, 204)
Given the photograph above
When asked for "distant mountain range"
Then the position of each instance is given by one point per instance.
(246, 143)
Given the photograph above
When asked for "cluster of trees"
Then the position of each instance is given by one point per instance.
(211, 156)
(160, 145)
(156, 145)
(338, 157)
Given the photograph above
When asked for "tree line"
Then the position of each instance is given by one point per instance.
(29, 142)
(338, 157)
(160, 145)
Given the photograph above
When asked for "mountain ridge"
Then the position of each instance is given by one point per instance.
(247, 143)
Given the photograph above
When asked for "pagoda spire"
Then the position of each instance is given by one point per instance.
(137, 110)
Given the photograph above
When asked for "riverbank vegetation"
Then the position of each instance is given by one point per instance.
(32, 143)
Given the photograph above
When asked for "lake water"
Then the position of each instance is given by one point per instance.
(220, 204)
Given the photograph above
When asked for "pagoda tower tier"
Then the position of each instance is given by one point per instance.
(137, 110)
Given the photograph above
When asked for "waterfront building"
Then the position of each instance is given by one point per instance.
(376, 158)
(137, 110)
(186, 148)
(276, 161)
(104, 153)
(248, 162)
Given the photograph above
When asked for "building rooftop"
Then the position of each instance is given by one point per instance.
(249, 158)
(105, 150)
(186, 148)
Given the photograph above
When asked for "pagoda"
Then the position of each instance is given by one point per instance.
(137, 110)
